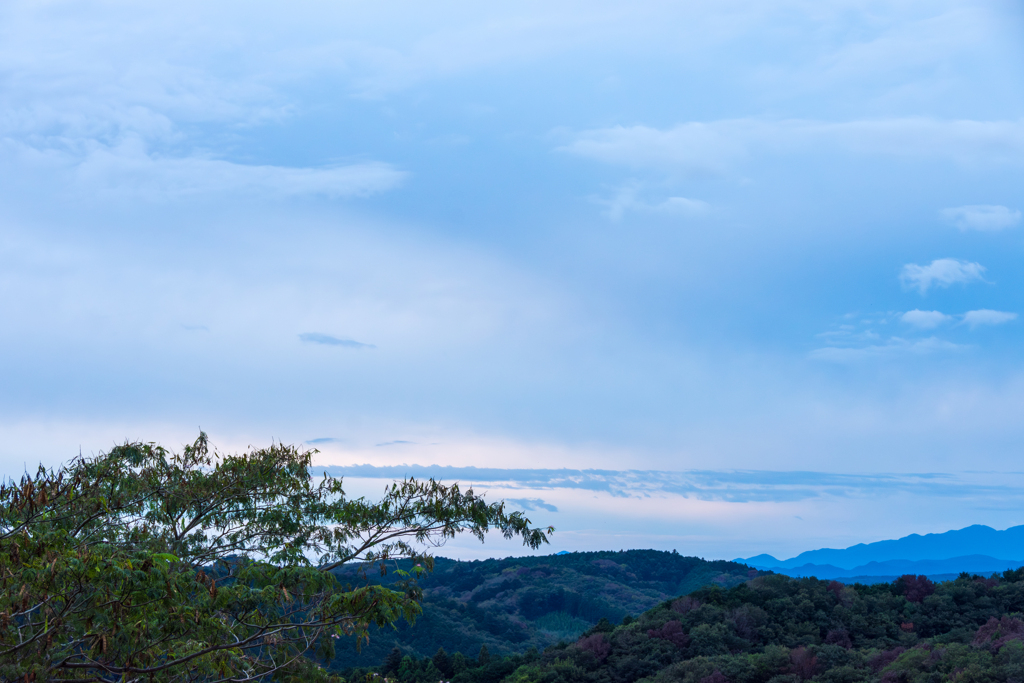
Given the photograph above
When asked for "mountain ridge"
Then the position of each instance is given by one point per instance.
(974, 540)
(973, 564)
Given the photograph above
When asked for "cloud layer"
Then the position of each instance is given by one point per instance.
(693, 511)
(745, 486)
(719, 146)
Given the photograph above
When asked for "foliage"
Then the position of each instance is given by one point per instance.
(513, 604)
(774, 629)
(142, 564)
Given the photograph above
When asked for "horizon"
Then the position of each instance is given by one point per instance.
(729, 279)
(848, 569)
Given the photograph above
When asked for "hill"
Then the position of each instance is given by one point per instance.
(513, 604)
(973, 540)
(776, 629)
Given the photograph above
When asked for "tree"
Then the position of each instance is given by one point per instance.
(484, 658)
(914, 588)
(407, 669)
(392, 662)
(443, 663)
(429, 672)
(145, 565)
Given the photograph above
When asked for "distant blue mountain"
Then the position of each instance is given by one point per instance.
(976, 540)
(761, 561)
(975, 564)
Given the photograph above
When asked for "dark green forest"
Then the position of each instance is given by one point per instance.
(514, 604)
(772, 629)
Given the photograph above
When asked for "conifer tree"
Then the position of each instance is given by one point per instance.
(443, 662)
(393, 661)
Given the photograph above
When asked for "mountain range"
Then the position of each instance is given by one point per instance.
(972, 564)
(976, 549)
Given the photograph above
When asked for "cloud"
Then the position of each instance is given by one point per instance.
(135, 172)
(983, 217)
(926, 320)
(394, 443)
(129, 168)
(893, 348)
(941, 273)
(627, 199)
(735, 486)
(323, 439)
(985, 316)
(681, 206)
(694, 146)
(317, 338)
(716, 146)
(531, 504)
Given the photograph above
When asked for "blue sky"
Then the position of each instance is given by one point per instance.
(775, 242)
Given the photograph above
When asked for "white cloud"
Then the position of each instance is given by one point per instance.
(926, 320)
(716, 146)
(130, 169)
(192, 175)
(690, 147)
(682, 206)
(985, 316)
(984, 217)
(941, 273)
(378, 49)
(893, 348)
(627, 198)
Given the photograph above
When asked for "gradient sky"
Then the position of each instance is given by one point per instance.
(766, 255)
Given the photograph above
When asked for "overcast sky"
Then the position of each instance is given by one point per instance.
(768, 243)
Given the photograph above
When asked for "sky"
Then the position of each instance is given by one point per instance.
(726, 278)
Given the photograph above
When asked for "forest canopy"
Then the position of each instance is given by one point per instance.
(775, 629)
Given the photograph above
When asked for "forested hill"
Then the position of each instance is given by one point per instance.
(513, 604)
(775, 629)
